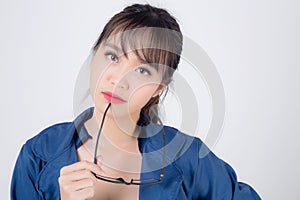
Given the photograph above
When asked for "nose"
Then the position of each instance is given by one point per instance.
(117, 76)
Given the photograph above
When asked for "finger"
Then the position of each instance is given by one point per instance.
(77, 175)
(83, 184)
(80, 166)
(74, 186)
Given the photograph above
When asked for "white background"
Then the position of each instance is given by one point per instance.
(254, 45)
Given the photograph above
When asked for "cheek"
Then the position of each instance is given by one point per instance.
(141, 96)
(96, 75)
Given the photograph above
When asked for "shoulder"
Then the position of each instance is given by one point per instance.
(184, 148)
(51, 141)
(173, 133)
(183, 145)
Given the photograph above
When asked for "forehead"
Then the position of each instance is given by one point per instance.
(128, 41)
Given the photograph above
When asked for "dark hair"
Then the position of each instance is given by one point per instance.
(161, 39)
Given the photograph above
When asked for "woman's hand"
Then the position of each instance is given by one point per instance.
(77, 181)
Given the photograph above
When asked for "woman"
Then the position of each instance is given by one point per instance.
(135, 156)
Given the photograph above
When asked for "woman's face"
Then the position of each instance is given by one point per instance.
(131, 81)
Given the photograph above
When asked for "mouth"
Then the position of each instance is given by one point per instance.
(110, 97)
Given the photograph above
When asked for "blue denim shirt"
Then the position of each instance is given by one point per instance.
(186, 174)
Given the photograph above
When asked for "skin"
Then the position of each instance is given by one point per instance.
(134, 82)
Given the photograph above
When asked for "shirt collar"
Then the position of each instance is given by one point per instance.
(82, 134)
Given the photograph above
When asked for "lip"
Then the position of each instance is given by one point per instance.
(113, 98)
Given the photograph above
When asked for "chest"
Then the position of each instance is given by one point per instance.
(115, 166)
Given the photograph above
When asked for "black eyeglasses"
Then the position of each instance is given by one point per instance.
(120, 180)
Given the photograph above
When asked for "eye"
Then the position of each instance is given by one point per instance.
(112, 56)
(143, 71)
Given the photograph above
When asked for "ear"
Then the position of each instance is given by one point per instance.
(159, 90)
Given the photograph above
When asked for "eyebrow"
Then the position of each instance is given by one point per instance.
(113, 46)
(119, 50)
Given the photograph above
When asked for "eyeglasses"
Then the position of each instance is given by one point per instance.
(120, 180)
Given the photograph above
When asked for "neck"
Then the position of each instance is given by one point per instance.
(121, 131)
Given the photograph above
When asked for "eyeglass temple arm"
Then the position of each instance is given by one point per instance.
(98, 136)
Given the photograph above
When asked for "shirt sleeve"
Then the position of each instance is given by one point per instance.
(24, 175)
(215, 179)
